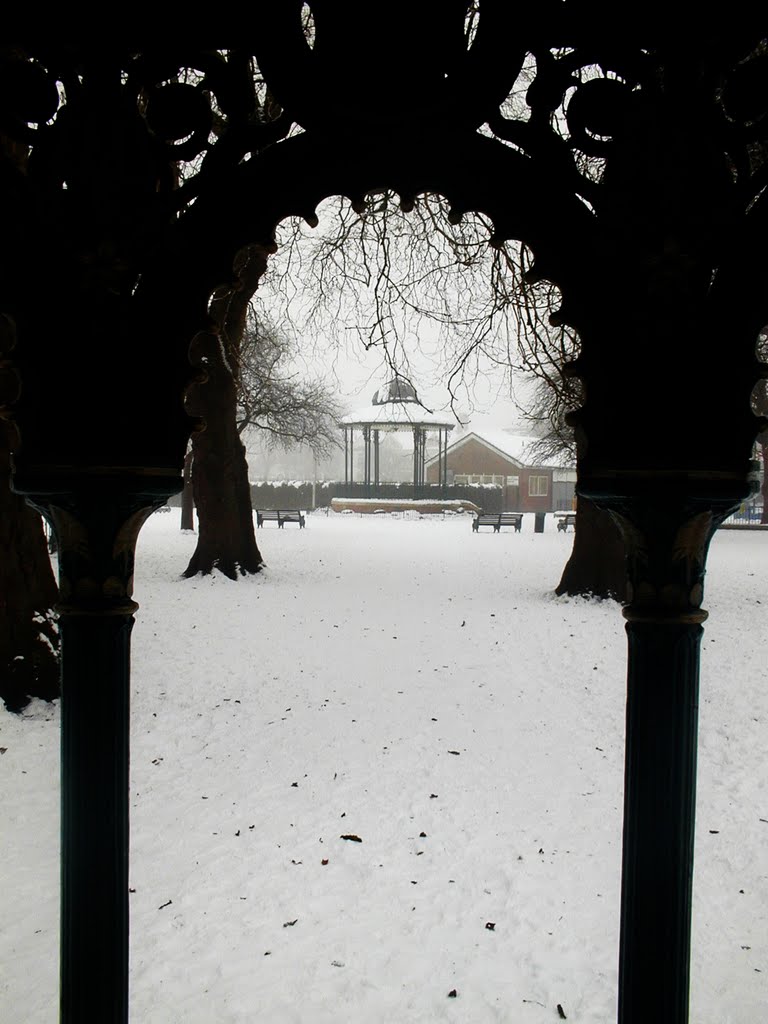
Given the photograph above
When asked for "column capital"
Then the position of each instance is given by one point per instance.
(97, 523)
(667, 537)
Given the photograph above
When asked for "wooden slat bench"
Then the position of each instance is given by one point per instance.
(563, 522)
(281, 516)
(497, 520)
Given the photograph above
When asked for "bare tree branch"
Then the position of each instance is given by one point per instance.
(291, 408)
(386, 277)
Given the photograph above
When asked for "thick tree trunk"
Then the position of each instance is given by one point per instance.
(597, 566)
(29, 642)
(226, 537)
(764, 488)
(187, 497)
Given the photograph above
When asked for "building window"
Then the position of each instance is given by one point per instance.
(461, 478)
(513, 481)
(538, 486)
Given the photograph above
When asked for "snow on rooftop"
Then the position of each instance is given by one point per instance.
(520, 447)
(397, 416)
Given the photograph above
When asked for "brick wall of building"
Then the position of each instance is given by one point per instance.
(476, 459)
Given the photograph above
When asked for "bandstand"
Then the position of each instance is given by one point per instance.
(395, 407)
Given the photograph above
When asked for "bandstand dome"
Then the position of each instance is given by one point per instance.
(395, 390)
(395, 406)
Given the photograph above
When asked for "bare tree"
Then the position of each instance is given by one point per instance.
(274, 397)
(252, 383)
(596, 566)
(226, 539)
(381, 275)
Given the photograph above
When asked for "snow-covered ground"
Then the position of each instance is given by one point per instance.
(416, 686)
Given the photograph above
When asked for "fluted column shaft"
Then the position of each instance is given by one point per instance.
(667, 539)
(96, 528)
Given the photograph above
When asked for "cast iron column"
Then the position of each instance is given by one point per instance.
(667, 543)
(415, 461)
(419, 440)
(659, 814)
(367, 460)
(96, 529)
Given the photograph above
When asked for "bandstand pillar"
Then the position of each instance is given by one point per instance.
(415, 460)
(419, 452)
(367, 459)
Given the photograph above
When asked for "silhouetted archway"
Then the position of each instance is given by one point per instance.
(632, 164)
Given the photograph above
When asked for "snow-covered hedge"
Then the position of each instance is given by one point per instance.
(299, 493)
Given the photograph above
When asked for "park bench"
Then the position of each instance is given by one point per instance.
(564, 521)
(497, 520)
(281, 516)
